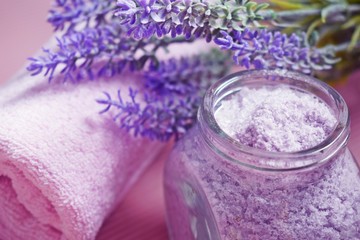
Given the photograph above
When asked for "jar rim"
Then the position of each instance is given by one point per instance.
(228, 146)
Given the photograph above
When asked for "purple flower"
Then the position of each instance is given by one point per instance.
(183, 17)
(173, 94)
(71, 13)
(266, 49)
(230, 23)
(187, 75)
(78, 50)
(147, 17)
(160, 119)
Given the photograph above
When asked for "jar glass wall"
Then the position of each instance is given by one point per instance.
(217, 188)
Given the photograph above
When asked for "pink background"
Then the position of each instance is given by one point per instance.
(141, 215)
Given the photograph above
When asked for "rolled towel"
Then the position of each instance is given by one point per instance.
(63, 167)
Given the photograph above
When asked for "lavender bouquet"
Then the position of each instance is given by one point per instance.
(318, 37)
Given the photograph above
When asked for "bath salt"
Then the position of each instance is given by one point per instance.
(277, 119)
(216, 190)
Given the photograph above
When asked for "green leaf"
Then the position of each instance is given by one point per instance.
(288, 4)
(221, 11)
(313, 26)
(238, 13)
(249, 8)
(354, 39)
(250, 5)
(351, 23)
(261, 6)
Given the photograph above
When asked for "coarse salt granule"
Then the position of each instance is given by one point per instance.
(277, 119)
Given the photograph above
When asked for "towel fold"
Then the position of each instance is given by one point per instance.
(63, 167)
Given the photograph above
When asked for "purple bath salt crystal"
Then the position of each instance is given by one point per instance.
(274, 167)
(278, 119)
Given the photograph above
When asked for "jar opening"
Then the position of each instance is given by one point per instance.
(263, 159)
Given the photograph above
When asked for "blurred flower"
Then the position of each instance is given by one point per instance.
(71, 13)
(169, 105)
(266, 49)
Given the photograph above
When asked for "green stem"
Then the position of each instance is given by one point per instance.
(167, 41)
(343, 46)
(302, 13)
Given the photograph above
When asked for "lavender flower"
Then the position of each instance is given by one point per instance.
(70, 13)
(187, 75)
(190, 18)
(265, 49)
(78, 50)
(160, 118)
(228, 22)
(169, 106)
(90, 34)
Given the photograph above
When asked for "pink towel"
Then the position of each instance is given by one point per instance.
(63, 167)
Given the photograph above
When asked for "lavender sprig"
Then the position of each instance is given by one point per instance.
(187, 75)
(70, 13)
(77, 51)
(160, 119)
(169, 106)
(261, 49)
(84, 47)
(183, 17)
(265, 49)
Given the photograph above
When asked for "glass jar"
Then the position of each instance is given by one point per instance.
(216, 188)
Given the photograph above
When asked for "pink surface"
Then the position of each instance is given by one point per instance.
(141, 215)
